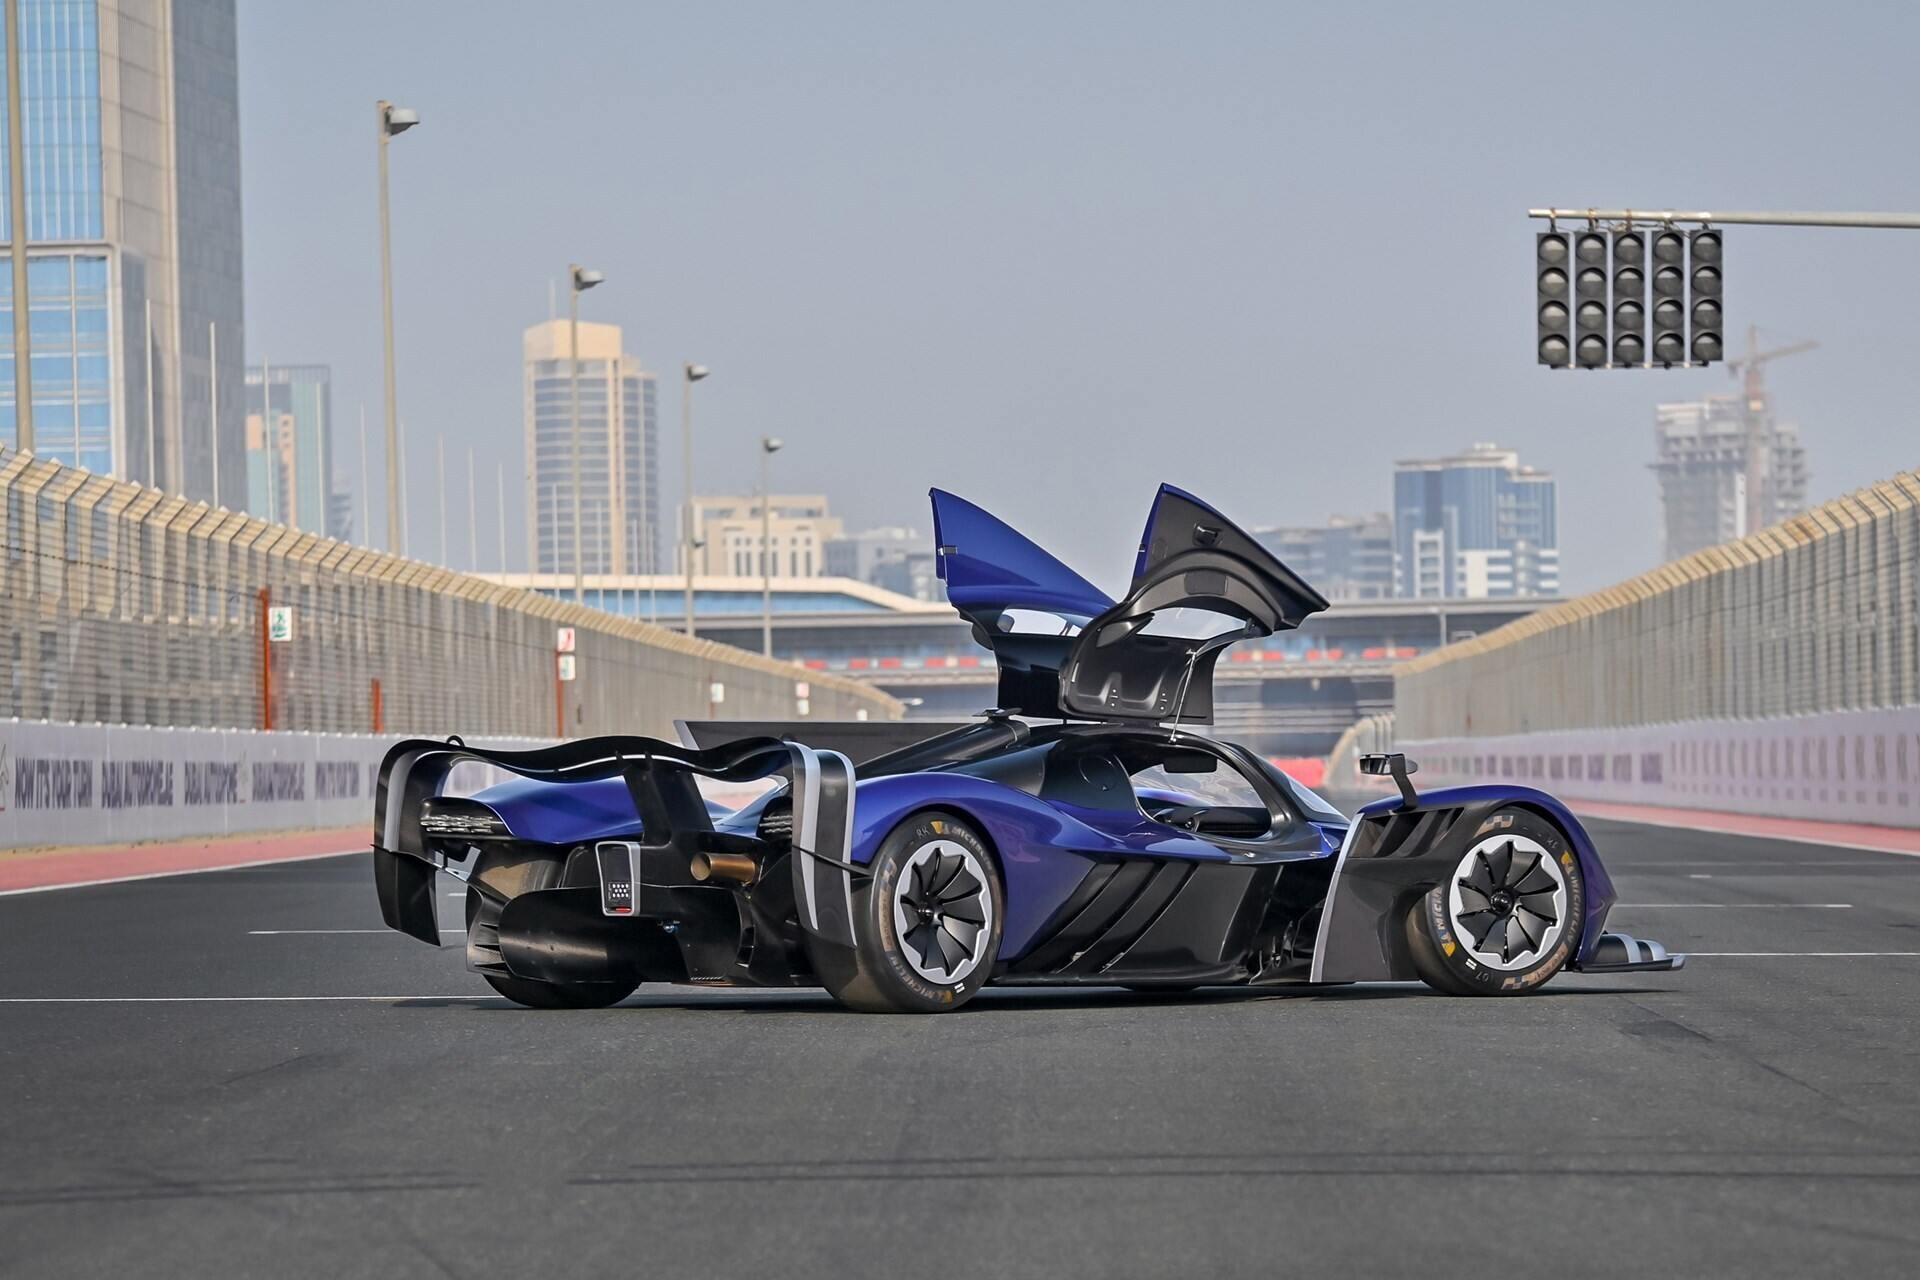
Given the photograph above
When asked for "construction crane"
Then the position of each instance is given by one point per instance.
(1754, 359)
(1759, 447)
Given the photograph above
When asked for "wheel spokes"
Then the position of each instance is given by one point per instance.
(1540, 904)
(1481, 880)
(961, 888)
(942, 911)
(1537, 879)
(1473, 900)
(1507, 901)
(922, 887)
(951, 865)
(964, 932)
(1533, 939)
(1480, 924)
(924, 939)
(951, 952)
(1500, 865)
(967, 909)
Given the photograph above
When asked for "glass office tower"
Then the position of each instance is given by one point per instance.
(131, 127)
(1475, 525)
(619, 468)
(290, 457)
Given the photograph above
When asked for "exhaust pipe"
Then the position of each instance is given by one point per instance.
(737, 867)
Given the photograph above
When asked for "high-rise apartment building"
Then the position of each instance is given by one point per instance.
(1477, 524)
(898, 559)
(726, 533)
(1726, 468)
(131, 121)
(1347, 558)
(290, 448)
(619, 472)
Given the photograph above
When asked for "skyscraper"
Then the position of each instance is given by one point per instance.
(1477, 524)
(619, 466)
(1726, 468)
(290, 478)
(1347, 558)
(131, 122)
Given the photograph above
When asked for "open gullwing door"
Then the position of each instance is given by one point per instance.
(1024, 604)
(1200, 583)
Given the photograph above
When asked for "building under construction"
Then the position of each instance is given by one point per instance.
(1726, 466)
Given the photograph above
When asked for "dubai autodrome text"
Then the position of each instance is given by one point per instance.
(59, 784)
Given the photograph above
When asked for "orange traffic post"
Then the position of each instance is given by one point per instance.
(266, 659)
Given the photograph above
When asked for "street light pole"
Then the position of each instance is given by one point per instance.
(17, 247)
(769, 445)
(390, 120)
(691, 373)
(580, 279)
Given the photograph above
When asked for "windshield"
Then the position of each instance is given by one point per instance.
(1312, 803)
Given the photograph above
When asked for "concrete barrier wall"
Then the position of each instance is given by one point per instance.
(1842, 766)
(65, 784)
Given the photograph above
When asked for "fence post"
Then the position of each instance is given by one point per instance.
(266, 660)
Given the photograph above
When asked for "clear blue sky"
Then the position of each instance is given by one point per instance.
(1049, 255)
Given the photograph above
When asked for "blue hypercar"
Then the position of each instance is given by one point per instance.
(1080, 832)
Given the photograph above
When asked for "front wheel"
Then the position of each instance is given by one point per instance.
(1507, 917)
(927, 922)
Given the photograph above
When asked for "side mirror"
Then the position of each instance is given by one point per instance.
(1397, 766)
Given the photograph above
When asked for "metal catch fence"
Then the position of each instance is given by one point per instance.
(125, 605)
(1819, 613)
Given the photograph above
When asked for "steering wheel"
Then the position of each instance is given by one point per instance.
(1184, 816)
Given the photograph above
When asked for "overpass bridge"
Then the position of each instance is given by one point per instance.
(1291, 694)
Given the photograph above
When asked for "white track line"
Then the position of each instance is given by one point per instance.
(1735, 906)
(219, 999)
(1829, 955)
(188, 871)
(278, 933)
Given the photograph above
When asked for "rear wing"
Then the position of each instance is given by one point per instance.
(675, 822)
(858, 740)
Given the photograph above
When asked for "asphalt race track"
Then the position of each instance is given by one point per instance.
(239, 1073)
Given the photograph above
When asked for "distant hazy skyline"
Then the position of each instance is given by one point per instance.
(1050, 255)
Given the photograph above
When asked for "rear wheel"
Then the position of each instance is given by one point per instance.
(927, 922)
(1509, 915)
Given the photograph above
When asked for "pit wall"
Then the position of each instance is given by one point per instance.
(1842, 766)
(65, 784)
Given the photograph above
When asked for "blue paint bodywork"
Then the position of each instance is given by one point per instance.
(988, 565)
(1044, 848)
